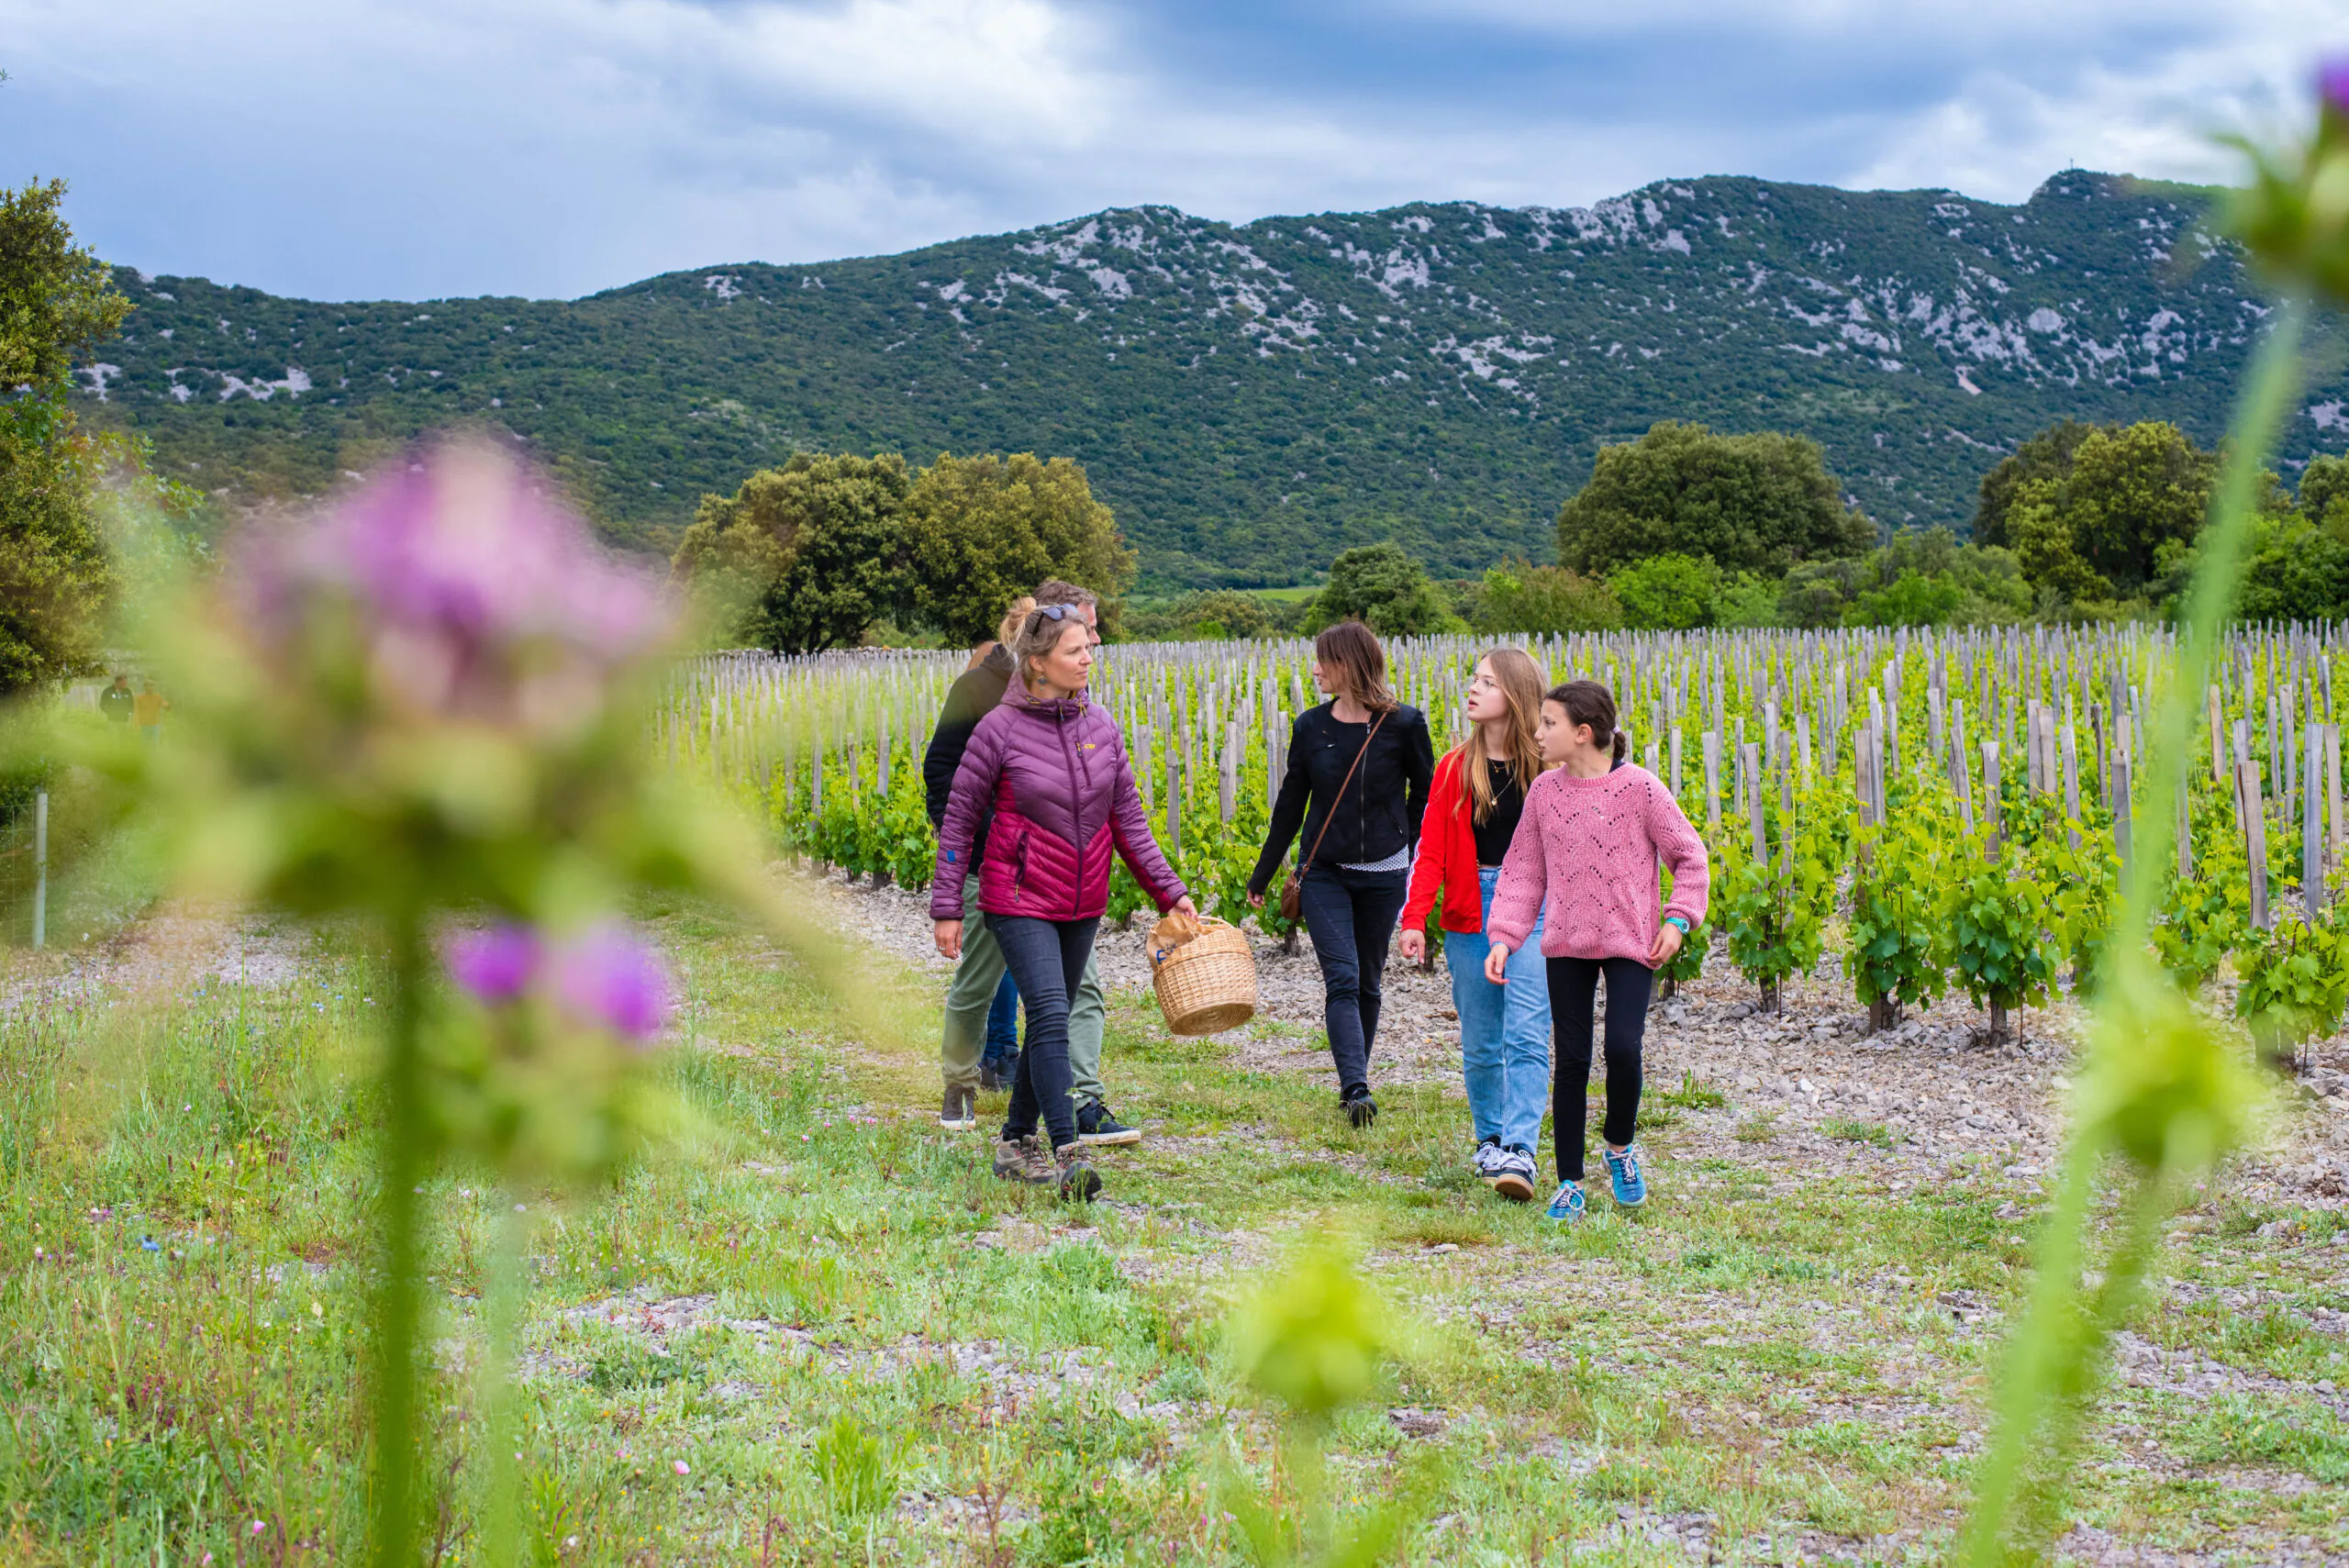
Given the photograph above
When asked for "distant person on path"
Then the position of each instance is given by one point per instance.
(1003, 1013)
(998, 1062)
(1051, 767)
(980, 977)
(976, 1006)
(1583, 872)
(147, 710)
(1472, 815)
(117, 701)
(1359, 767)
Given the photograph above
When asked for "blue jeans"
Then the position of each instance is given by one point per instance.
(1003, 1023)
(1503, 1030)
(1351, 916)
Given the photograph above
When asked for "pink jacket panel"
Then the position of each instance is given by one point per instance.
(1585, 859)
(1065, 802)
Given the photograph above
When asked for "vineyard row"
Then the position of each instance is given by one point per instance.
(1963, 800)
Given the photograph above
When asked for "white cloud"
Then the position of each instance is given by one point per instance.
(339, 148)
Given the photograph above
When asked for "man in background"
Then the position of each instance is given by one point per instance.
(977, 975)
(117, 701)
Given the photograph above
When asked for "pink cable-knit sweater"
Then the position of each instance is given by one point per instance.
(1585, 856)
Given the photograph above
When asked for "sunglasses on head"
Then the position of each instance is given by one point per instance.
(1043, 613)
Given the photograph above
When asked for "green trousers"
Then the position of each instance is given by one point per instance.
(968, 998)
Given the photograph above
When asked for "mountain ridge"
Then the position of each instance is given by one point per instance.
(1249, 398)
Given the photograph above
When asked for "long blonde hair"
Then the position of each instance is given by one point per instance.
(1520, 680)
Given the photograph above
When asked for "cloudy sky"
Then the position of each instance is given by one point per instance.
(344, 148)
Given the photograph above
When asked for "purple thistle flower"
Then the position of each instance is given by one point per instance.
(2332, 84)
(606, 976)
(495, 965)
(459, 565)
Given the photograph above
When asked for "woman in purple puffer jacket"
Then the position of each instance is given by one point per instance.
(1051, 766)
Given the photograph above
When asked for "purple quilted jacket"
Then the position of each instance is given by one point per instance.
(1063, 796)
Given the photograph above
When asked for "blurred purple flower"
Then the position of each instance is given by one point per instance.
(606, 976)
(2332, 84)
(495, 965)
(458, 563)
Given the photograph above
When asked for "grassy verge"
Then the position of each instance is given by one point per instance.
(812, 1327)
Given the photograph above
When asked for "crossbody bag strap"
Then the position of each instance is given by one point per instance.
(1311, 854)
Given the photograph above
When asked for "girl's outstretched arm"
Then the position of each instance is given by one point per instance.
(1679, 846)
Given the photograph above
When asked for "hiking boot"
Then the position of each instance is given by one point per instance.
(1095, 1125)
(1631, 1187)
(1481, 1162)
(1566, 1206)
(1361, 1109)
(1024, 1161)
(1512, 1175)
(1079, 1182)
(959, 1112)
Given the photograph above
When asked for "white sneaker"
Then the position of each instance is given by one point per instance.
(1482, 1160)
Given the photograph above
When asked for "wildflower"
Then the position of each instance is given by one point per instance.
(607, 977)
(684, 1469)
(2332, 84)
(495, 965)
(258, 1527)
(475, 596)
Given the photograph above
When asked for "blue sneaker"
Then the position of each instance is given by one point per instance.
(1630, 1187)
(1566, 1206)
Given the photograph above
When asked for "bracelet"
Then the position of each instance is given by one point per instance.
(1677, 920)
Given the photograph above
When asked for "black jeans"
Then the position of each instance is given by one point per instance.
(1350, 916)
(1572, 985)
(1045, 959)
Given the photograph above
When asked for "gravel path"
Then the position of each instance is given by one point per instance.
(1807, 1087)
(160, 955)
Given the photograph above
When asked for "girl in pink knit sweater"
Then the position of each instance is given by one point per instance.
(1585, 859)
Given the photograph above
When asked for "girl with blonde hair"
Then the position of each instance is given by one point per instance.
(1473, 811)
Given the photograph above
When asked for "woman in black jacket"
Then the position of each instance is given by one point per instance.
(1357, 784)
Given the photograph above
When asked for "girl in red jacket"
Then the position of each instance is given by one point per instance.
(1472, 814)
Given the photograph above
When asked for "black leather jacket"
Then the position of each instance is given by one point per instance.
(1383, 804)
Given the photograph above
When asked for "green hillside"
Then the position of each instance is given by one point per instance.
(1250, 398)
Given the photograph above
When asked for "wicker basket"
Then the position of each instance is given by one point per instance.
(1208, 984)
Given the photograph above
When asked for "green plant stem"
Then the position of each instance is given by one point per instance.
(502, 1299)
(2032, 1361)
(2116, 1296)
(2267, 397)
(2052, 1352)
(402, 1166)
